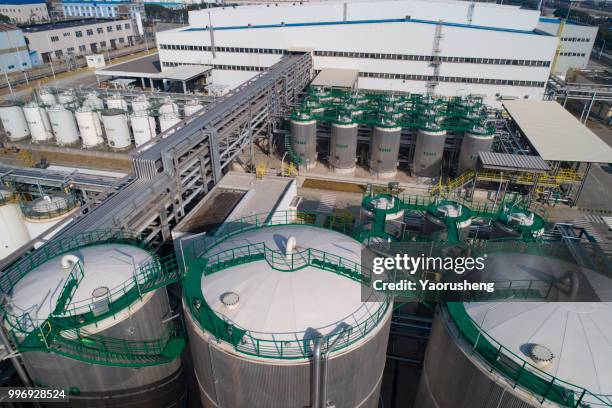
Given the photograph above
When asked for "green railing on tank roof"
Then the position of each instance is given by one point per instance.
(288, 345)
(44, 334)
(518, 371)
(40, 210)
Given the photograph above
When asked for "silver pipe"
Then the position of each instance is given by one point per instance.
(14, 358)
(345, 329)
(316, 372)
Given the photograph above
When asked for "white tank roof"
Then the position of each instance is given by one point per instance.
(277, 304)
(103, 265)
(578, 334)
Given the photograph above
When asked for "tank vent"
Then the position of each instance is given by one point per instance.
(230, 300)
(541, 355)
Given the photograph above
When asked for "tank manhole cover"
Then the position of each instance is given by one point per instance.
(542, 355)
(230, 300)
(100, 291)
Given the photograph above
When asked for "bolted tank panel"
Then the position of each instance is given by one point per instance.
(117, 129)
(143, 128)
(64, 125)
(89, 127)
(104, 264)
(38, 121)
(343, 147)
(470, 146)
(168, 120)
(384, 152)
(14, 122)
(428, 153)
(191, 107)
(304, 141)
(11, 220)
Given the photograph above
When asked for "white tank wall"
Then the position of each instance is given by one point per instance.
(14, 122)
(89, 127)
(191, 107)
(140, 103)
(47, 98)
(116, 102)
(143, 128)
(14, 232)
(167, 121)
(38, 121)
(168, 107)
(64, 125)
(117, 130)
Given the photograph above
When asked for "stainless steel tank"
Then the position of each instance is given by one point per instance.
(343, 147)
(428, 153)
(113, 348)
(38, 121)
(64, 125)
(384, 151)
(470, 146)
(304, 141)
(13, 121)
(143, 127)
(117, 130)
(89, 127)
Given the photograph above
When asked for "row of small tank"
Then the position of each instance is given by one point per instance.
(387, 115)
(69, 120)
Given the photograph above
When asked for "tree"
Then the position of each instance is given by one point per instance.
(4, 19)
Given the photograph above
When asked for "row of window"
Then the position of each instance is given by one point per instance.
(429, 78)
(572, 54)
(8, 10)
(99, 30)
(575, 39)
(345, 54)
(218, 66)
(222, 49)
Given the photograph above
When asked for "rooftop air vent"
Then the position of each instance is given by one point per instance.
(541, 355)
(230, 300)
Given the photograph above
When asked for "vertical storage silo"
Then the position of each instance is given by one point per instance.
(429, 151)
(13, 121)
(140, 104)
(116, 128)
(93, 102)
(343, 145)
(191, 107)
(516, 221)
(47, 98)
(143, 127)
(168, 106)
(43, 213)
(68, 99)
(117, 102)
(14, 232)
(384, 150)
(64, 125)
(304, 139)
(90, 314)
(477, 140)
(257, 343)
(167, 120)
(38, 121)
(89, 126)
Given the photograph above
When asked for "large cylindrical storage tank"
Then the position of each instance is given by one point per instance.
(140, 104)
(470, 146)
(449, 216)
(343, 147)
(89, 127)
(166, 121)
(117, 129)
(515, 221)
(428, 152)
(68, 99)
(38, 121)
(14, 232)
(43, 213)
(191, 107)
(116, 102)
(254, 340)
(13, 121)
(64, 125)
(143, 127)
(102, 313)
(384, 151)
(47, 98)
(168, 107)
(93, 102)
(304, 140)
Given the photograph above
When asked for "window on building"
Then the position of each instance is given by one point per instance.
(59, 54)
(102, 44)
(11, 67)
(54, 38)
(118, 27)
(66, 34)
(100, 30)
(82, 48)
(90, 32)
(70, 49)
(127, 26)
(121, 40)
(78, 34)
(109, 29)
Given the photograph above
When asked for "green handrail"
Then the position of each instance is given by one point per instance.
(518, 371)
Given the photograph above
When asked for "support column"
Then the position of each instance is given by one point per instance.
(184, 87)
(142, 81)
(586, 174)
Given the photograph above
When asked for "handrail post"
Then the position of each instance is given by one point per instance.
(547, 390)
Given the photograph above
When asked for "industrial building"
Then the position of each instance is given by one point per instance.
(55, 41)
(14, 55)
(99, 9)
(463, 48)
(576, 43)
(25, 11)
